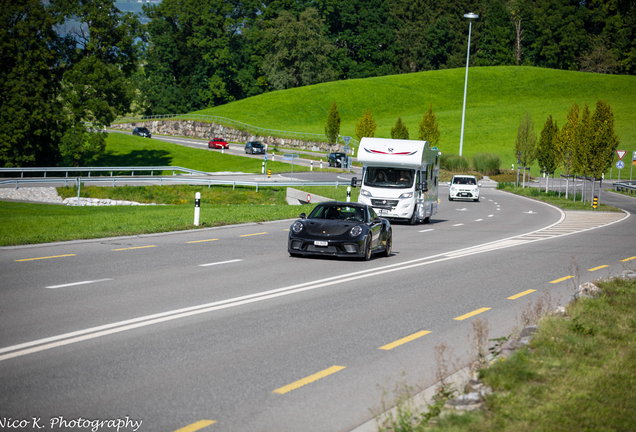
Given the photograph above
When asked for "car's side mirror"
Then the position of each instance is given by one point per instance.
(355, 182)
(302, 215)
(422, 186)
(479, 184)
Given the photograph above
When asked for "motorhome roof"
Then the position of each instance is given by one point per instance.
(392, 152)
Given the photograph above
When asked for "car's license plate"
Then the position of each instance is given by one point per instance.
(320, 243)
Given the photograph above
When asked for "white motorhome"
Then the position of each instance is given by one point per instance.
(400, 178)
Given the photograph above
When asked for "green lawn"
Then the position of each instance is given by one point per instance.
(497, 98)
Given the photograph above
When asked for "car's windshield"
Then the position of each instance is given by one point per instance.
(389, 177)
(464, 180)
(143, 130)
(331, 212)
(257, 145)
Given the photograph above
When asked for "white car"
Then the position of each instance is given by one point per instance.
(464, 187)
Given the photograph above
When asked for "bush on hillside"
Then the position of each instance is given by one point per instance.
(486, 163)
(452, 162)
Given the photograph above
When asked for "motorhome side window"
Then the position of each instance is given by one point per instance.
(389, 177)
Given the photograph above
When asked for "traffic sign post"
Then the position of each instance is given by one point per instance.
(291, 156)
(632, 167)
(620, 165)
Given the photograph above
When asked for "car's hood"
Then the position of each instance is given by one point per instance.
(327, 227)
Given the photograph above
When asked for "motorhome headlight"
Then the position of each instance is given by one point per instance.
(406, 195)
(365, 193)
(355, 231)
(297, 227)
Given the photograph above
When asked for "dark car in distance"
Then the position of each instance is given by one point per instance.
(340, 229)
(255, 147)
(218, 143)
(142, 132)
(335, 159)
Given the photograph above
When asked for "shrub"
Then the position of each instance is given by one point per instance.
(452, 162)
(486, 163)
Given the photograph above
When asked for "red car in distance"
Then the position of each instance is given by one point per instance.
(218, 143)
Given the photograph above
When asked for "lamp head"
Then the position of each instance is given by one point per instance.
(471, 16)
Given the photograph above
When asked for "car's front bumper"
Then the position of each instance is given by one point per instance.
(338, 248)
(464, 193)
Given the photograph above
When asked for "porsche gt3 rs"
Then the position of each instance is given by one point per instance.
(341, 229)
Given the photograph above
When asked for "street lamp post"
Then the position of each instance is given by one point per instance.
(470, 17)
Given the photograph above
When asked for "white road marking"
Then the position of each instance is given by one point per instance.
(121, 326)
(220, 262)
(490, 215)
(458, 224)
(76, 283)
(478, 220)
(426, 230)
(530, 212)
(462, 209)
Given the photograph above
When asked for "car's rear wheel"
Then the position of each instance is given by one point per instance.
(389, 243)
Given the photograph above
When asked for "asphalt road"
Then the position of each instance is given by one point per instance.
(179, 330)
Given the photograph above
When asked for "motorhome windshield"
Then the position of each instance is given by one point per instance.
(389, 177)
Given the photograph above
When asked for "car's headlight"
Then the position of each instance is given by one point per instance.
(355, 231)
(453, 189)
(406, 195)
(297, 227)
(365, 193)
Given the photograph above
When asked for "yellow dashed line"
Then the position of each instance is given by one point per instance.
(199, 241)
(562, 279)
(597, 268)
(309, 379)
(470, 314)
(404, 340)
(137, 247)
(628, 259)
(247, 235)
(521, 294)
(54, 256)
(196, 426)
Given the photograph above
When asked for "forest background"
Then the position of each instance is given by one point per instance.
(69, 67)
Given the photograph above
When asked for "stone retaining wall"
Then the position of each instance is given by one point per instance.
(207, 131)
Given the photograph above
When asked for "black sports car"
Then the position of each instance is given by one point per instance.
(341, 229)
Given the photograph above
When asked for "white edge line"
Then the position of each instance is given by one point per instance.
(222, 262)
(76, 283)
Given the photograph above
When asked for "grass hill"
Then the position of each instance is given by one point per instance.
(497, 98)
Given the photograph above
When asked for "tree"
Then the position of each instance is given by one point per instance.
(367, 126)
(31, 123)
(300, 52)
(581, 150)
(526, 141)
(429, 130)
(399, 131)
(546, 152)
(566, 139)
(603, 140)
(332, 130)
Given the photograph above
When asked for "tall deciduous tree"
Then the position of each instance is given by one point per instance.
(30, 83)
(332, 130)
(581, 150)
(526, 141)
(400, 130)
(300, 51)
(566, 139)
(603, 139)
(367, 126)
(546, 152)
(429, 129)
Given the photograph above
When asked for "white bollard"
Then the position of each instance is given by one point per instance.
(348, 193)
(197, 208)
(311, 168)
(262, 167)
(320, 163)
(272, 156)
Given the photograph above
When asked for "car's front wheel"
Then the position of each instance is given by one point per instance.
(389, 243)
(367, 249)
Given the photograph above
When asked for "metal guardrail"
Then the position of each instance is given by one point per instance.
(234, 123)
(209, 182)
(152, 169)
(626, 186)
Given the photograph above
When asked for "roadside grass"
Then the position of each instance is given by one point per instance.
(577, 374)
(497, 98)
(26, 223)
(552, 197)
